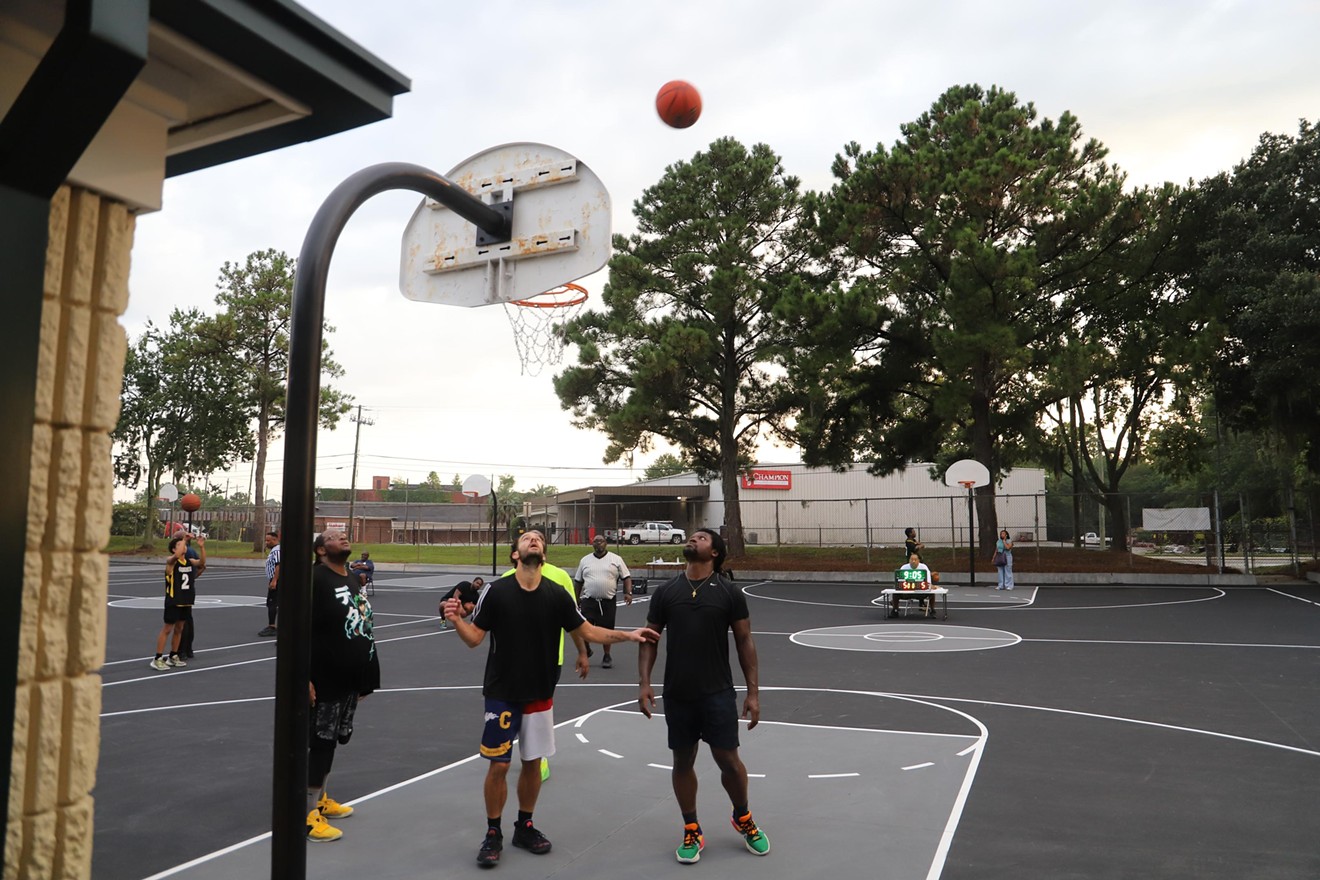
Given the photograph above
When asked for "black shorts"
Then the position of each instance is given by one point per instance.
(332, 720)
(713, 718)
(177, 613)
(599, 612)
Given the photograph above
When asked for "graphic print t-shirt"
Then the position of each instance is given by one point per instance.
(344, 657)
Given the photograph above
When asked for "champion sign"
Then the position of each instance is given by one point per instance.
(759, 479)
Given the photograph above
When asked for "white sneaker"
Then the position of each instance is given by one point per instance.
(176, 660)
(159, 663)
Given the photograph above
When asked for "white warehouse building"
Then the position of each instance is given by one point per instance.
(796, 504)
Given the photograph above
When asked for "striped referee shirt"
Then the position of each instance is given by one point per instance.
(272, 560)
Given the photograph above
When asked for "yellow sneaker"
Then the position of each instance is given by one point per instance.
(319, 830)
(332, 809)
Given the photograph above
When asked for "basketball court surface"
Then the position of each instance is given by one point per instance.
(1056, 732)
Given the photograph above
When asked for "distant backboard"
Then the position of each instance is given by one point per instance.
(967, 470)
(561, 230)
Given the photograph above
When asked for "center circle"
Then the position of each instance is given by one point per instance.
(889, 635)
(905, 638)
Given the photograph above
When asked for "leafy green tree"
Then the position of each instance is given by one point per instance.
(685, 347)
(432, 480)
(967, 245)
(252, 329)
(1138, 337)
(181, 414)
(1259, 257)
(666, 465)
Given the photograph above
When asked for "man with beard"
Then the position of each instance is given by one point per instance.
(344, 669)
(699, 607)
(524, 613)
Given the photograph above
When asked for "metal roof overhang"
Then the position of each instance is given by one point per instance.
(693, 491)
(301, 79)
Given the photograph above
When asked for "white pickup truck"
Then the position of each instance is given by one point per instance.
(651, 533)
(1091, 539)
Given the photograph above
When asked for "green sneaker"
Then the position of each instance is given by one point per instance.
(757, 843)
(693, 844)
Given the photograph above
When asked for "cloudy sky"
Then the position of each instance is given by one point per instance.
(1176, 90)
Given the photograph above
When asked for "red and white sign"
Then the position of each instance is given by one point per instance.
(336, 526)
(762, 479)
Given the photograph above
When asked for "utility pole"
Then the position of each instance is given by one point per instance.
(352, 483)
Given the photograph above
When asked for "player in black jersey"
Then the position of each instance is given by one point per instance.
(698, 609)
(524, 613)
(181, 573)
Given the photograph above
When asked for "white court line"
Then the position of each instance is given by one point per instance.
(189, 670)
(608, 753)
(937, 863)
(919, 766)
(188, 706)
(834, 775)
(1291, 596)
(1219, 594)
(582, 739)
(1184, 644)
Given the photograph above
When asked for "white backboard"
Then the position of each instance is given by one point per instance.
(967, 470)
(478, 485)
(561, 230)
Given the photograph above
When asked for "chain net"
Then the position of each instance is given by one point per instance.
(538, 325)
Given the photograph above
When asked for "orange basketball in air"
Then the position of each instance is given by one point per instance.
(190, 502)
(678, 103)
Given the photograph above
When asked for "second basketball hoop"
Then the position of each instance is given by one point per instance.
(540, 324)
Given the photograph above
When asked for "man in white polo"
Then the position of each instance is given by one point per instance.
(597, 579)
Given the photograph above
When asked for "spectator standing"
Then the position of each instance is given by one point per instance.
(1003, 560)
(699, 608)
(344, 669)
(597, 578)
(272, 582)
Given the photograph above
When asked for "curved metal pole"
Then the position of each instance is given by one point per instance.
(293, 658)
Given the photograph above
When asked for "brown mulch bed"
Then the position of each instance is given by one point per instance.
(1031, 559)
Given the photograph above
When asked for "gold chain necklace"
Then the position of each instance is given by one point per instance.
(696, 587)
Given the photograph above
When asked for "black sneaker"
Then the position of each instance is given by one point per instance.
(607, 662)
(489, 854)
(527, 837)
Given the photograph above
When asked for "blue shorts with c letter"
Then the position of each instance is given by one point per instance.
(532, 724)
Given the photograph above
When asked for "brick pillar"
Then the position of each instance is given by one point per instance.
(65, 570)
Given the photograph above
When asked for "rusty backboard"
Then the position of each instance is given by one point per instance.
(560, 230)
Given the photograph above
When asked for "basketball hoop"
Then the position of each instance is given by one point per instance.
(538, 325)
(967, 484)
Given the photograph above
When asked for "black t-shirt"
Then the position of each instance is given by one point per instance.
(909, 547)
(344, 657)
(522, 665)
(697, 652)
(466, 593)
(180, 583)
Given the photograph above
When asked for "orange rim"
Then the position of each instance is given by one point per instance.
(576, 293)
